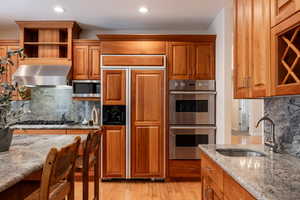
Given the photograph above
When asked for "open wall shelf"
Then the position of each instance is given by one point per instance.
(48, 39)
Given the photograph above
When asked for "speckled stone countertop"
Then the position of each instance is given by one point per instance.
(76, 126)
(273, 177)
(27, 154)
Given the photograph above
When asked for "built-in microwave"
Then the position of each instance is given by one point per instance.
(86, 88)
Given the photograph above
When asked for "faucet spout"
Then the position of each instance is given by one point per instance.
(273, 144)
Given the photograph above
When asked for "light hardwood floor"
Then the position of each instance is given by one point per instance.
(144, 191)
(154, 190)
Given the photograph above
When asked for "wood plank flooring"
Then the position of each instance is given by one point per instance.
(144, 191)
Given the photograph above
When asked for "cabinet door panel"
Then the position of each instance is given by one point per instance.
(242, 47)
(12, 68)
(114, 156)
(179, 60)
(147, 96)
(94, 62)
(147, 156)
(148, 124)
(282, 9)
(261, 48)
(285, 55)
(203, 64)
(114, 86)
(80, 62)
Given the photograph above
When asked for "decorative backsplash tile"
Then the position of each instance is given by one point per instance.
(51, 103)
(285, 112)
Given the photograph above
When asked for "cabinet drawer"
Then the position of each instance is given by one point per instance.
(185, 169)
(40, 131)
(133, 47)
(232, 190)
(214, 172)
(133, 60)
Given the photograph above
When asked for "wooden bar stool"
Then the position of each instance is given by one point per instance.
(57, 181)
(89, 159)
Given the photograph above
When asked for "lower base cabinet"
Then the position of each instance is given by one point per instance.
(114, 152)
(218, 185)
(184, 169)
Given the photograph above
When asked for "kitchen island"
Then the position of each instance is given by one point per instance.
(27, 155)
(272, 177)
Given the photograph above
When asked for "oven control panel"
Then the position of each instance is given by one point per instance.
(192, 85)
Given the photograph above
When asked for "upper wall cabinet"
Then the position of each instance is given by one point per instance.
(191, 60)
(252, 48)
(5, 46)
(86, 60)
(282, 9)
(132, 44)
(47, 42)
(286, 57)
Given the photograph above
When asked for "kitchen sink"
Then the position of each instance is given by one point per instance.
(240, 153)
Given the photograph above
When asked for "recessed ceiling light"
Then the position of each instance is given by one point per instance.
(143, 10)
(58, 9)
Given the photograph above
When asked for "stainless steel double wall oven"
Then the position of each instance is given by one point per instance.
(192, 117)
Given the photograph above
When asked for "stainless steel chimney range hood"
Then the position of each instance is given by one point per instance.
(42, 75)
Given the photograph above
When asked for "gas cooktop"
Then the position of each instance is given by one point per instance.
(44, 122)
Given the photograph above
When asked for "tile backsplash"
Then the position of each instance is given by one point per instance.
(285, 112)
(51, 103)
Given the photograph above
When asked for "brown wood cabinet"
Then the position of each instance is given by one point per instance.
(184, 169)
(179, 60)
(191, 60)
(217, 184)
(252, 48)
(282, 9)
(285, 57)
(47, 42)
(94, 62)
(114, 86)
(148, 138)
(80, 63)
(133, 60)
(132, 47)
(86, 60)
(5, 46)
(114, 152)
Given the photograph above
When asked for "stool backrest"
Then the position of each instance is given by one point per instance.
(59, 168)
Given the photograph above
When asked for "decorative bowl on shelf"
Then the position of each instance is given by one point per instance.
(5, 139)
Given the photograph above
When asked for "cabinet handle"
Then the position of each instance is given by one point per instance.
(209, 169)
(208, 194)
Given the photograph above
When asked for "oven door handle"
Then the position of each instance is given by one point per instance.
(193, 127)
(193, 92)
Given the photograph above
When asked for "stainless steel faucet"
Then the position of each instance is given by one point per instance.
(63, 117)
(273, 144)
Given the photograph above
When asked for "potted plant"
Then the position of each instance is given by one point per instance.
(8, 117)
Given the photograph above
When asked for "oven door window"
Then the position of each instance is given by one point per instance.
(191, 140)
(192, 106)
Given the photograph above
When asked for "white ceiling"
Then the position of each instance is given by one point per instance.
(116, 14)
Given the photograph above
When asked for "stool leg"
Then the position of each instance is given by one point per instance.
(85, 181)
(71, 179)
(96, 176)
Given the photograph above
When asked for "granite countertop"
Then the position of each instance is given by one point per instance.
(27, 154)
(76, 126)
(273, 177)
